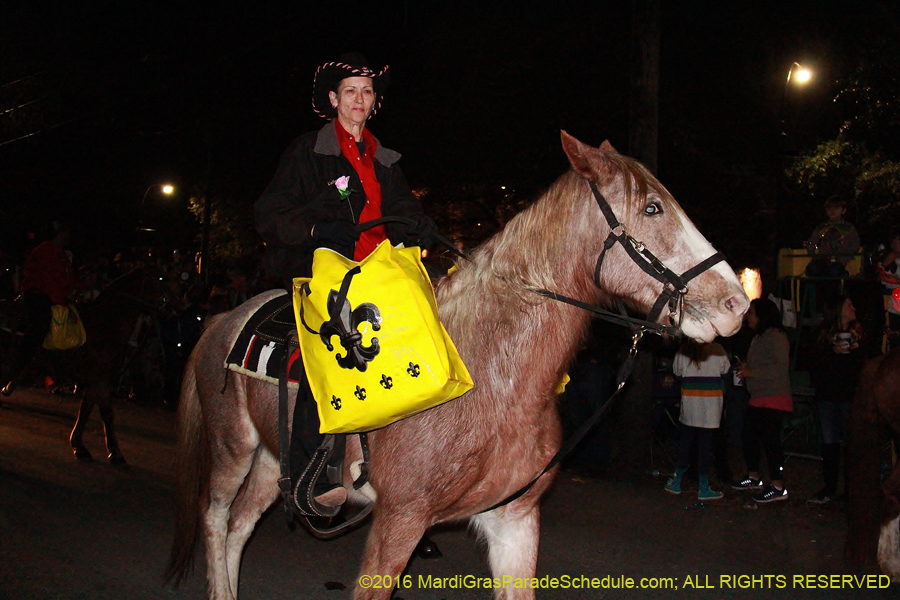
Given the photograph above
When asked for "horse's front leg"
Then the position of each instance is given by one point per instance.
(512, 534)
(391, 541)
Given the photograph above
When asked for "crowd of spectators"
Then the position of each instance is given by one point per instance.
(160, 344)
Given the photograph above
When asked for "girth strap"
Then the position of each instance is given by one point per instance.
(284, 445)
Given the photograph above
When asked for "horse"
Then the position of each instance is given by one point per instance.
(109, 322)
(454, 462)
(873, 515)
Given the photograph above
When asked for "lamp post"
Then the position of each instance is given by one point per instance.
(798, 75)
(167, 189)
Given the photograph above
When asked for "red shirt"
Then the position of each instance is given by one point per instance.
(365, 167)
(49, 271)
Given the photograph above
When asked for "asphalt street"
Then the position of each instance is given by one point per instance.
(70, 530)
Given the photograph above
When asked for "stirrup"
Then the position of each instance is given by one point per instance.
(303, 492)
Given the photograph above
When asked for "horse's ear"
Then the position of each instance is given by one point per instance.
(607, 147)
(584, 159)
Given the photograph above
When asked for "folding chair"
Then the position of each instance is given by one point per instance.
(804, 418)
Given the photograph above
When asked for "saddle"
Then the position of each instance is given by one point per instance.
(267, 348)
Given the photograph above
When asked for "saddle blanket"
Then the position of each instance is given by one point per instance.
(259, 349)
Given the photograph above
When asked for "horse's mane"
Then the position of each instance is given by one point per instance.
(538, 246)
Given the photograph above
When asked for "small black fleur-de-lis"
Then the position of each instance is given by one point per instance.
(336, 402)
(360, 393)
(386, 382)
(413, 370)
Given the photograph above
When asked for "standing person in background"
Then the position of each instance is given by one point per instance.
(700, 367)
(837, 362)
(888, 270)
(48, 278)
(767, 376)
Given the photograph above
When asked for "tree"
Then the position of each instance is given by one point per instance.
(862, 163)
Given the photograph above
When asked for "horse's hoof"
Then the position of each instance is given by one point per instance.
(81, 453)
(117, 460)
(428, 550)
(8, 389)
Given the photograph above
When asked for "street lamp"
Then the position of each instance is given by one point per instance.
(800, 76)
(166, 188)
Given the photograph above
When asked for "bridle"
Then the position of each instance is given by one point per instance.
(674, 286)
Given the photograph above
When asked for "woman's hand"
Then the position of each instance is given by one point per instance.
(342, 233)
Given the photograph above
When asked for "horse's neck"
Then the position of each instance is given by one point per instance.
(508, 334)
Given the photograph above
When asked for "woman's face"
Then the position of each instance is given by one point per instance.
(752, 319)
(353, 100)
(848, 312)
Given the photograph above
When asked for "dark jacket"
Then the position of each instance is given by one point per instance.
(835, 375)
(302, 194)
(48, 271)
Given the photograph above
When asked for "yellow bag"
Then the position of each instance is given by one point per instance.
(66, 329)
(396, 360)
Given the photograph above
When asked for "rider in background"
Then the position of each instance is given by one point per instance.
(48, 278)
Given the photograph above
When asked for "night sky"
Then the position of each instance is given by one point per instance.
(102, 99)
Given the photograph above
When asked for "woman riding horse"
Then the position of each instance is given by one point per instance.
(328, 182)
(605, 230)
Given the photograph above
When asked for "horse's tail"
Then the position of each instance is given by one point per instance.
(863, 471)
(191, 466)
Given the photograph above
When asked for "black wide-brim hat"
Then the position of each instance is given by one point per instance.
(329, 75)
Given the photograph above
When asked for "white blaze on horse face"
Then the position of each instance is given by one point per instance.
(724, 302)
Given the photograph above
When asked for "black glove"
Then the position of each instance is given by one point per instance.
(422, 230)
(341, 233)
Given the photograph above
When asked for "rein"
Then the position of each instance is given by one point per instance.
(622, 376)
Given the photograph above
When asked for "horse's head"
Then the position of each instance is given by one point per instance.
(651, 225)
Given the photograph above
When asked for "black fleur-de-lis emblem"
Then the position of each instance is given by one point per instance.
(360, 393)
(386, 382)
(343, 323)
(413, 370)
(336, 402)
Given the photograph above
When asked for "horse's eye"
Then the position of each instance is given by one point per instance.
(653, 209)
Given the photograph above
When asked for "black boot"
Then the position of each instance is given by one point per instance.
(831, 462)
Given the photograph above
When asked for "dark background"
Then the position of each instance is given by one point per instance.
(102, 99)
